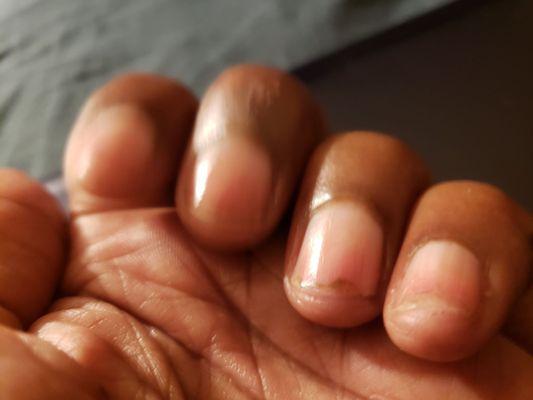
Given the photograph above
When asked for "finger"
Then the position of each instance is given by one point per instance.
(32, 248)
(125, 147)
(348, 225)
(254, 131)
(32, 369)
(465, 259)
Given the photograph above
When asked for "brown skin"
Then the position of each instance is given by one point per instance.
(377, 173)
(146, 311)
(469, 213)
(275, 115)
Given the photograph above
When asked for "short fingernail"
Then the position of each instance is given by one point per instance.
(443, 278)
(232, 183)
(120, 137)
(341, 251)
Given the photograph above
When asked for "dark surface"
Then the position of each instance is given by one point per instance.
(459, 91)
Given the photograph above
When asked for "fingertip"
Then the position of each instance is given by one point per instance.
(439, 338)
(347, 226)
(462, 265)
(336, 276)
(126, 145)
(253, 133)
(331, 309)
(116, 154)
(432, 311)
(225, 194)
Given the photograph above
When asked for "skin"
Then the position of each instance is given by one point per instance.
(157, 286)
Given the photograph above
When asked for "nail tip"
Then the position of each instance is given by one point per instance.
(341, 251)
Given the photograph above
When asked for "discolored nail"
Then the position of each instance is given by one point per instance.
(341, 251)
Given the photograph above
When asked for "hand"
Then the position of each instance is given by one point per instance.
(159, 304)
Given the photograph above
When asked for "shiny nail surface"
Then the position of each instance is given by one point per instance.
(119, 136)
(341, 251)
(232, 182)
(442, 278)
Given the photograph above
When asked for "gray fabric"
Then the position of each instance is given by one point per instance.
(53, 53)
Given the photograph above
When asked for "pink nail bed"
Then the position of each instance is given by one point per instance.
(442, 274)
(232, 182)
(341, 250)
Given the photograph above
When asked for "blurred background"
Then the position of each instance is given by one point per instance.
(453, 78)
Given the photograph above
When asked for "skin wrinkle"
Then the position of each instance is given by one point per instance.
(116, 351)
(232, 307)
(244, 321)
(30, 346)
(264, 384)
(99, 246)
(275, 276)
(291, 366)
(173, 379)
(333, 385)
(197, 357)
(325, 378)
(85, 259)
(249, 329)
(82, 287)
(155, 333)
(145, 356)
(242, 317)
(114, 205)
(149, 361)
(320, 359)
(341, 359)
(90, 292)
(251, 269)
(232, 312)
(202, 352)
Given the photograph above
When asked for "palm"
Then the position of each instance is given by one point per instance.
(187, 322)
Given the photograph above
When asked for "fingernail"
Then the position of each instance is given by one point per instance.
(442, 278)
(341, 251)
(232, 183)
(121, 137)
